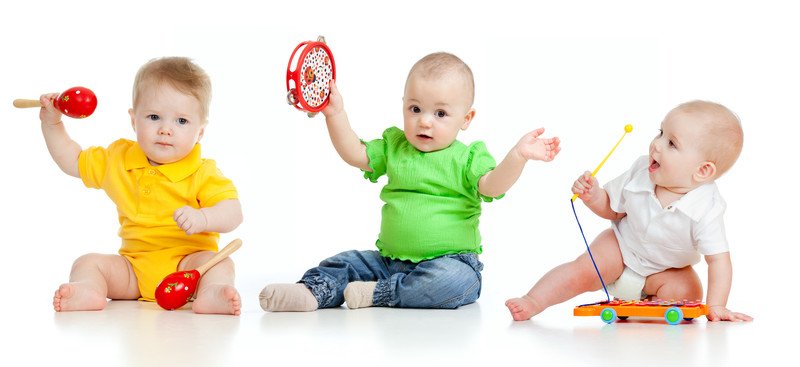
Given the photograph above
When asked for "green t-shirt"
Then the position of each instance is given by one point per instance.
(432, 204)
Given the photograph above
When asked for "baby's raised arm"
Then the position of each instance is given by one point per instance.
(63, 149)
(531, 147)
(344, 139)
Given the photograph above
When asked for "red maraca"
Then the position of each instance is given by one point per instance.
(178, 288)
(76, 102)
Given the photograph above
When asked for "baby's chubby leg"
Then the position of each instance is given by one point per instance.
(215, 293)
(93, 279)
(445, 282)
(571, 279)
(675, 284)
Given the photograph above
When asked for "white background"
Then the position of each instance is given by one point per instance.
(580, 69)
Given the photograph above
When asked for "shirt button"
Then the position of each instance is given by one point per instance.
(151, 171)
(146, 191)
(669, 207)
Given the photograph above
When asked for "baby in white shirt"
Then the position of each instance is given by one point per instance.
(666, 211)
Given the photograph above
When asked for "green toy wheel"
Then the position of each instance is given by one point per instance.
(608, 315)
(673, 315)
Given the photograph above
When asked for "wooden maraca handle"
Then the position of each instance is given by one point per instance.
(27, 103)
(221, 255)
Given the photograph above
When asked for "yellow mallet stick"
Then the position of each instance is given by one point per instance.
(628, 128)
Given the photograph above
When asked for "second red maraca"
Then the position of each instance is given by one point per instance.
(178, 288)
(76, 102)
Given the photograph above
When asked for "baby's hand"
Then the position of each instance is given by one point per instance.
(585, 186)
(722, 313)
(190, 220)
(542, 149)
(335, 103)
(49, 114)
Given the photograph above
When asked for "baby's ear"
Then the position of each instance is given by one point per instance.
(202, 131)
(706, 172)
(133, 125)
(468, 118)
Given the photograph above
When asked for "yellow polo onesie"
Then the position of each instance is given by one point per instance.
(147, 196)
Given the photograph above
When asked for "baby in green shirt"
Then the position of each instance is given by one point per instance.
(429, 241)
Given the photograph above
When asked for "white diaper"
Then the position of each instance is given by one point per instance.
(628, 287)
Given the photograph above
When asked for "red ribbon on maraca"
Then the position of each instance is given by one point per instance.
(178, 288)
(76, 102)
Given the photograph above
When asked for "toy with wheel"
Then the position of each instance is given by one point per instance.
(673, 312)
(308, 76)
(76, 102)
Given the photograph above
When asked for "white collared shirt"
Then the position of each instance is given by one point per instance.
(653, 239)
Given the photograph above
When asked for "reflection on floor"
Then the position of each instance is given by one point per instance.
(133, 333)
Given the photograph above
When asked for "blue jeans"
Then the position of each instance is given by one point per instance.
(444, 282)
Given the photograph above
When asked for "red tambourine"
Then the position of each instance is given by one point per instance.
(308, 84)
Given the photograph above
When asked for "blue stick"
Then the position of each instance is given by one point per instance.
(590, 251)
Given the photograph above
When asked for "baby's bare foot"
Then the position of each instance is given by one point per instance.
(78, 297)
(218, 299)
(522, 308)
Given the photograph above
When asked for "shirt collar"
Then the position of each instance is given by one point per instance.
(695, 204)
(698, 202)
(640, 182)
(175, 171)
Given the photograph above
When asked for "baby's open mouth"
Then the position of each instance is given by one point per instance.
(424, 137)
(653, 165)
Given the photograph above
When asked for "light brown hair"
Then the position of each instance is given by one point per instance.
(724, 134)
(440, 64)
(179, 72)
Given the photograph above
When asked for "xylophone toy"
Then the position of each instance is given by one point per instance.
(672, 311)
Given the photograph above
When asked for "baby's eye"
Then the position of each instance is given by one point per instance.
(441, 113)
(153, 117)
(182, 121)
(660, 132)
(671, 144)
(415, 109)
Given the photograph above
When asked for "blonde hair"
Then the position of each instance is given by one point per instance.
(723, 132)
(440, 64)
(179, 72)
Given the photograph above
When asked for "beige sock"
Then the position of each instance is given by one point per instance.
(359, 294)
(287, 297)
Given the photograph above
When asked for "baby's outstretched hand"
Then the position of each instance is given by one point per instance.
(190, 220)
(722, 313)
(531, 146)
(335, 103)
(585, 186)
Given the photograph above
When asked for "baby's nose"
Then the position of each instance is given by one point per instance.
(425, 120)
(656, 146)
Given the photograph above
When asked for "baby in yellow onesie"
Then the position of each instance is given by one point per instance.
(171, 203)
